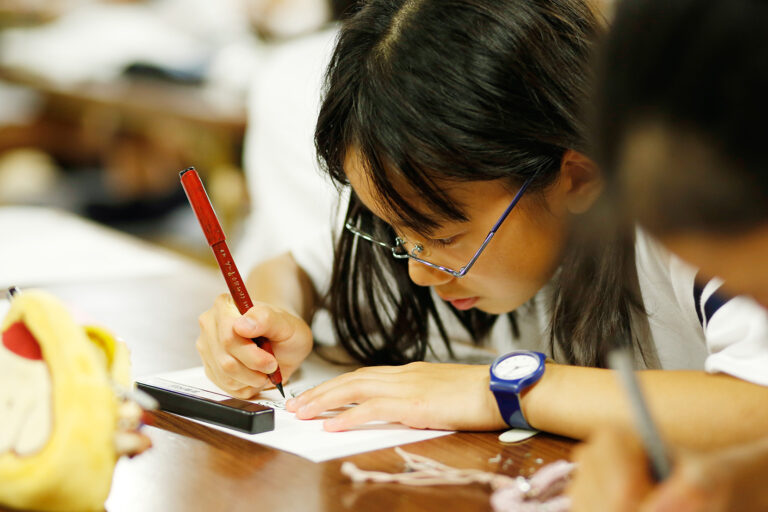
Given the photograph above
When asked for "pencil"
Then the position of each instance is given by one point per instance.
(620, 360)
(203, 209)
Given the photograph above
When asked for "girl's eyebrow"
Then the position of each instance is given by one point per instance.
(427, 233)
(399, 224)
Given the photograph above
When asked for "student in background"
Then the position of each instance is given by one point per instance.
(682, 126)
(444, 120)
(291, 201)
(290, 198)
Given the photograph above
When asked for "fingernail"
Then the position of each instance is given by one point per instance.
(304, 411)
(245, 324)
(289, 404)
(331, 424)
(272, 368)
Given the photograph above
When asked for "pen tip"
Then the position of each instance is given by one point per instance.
(280, 388)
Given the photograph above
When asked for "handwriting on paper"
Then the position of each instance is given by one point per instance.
(291, 391)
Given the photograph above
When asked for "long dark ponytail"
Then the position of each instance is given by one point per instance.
(470, 90)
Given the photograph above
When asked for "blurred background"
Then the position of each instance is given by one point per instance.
(103, 102)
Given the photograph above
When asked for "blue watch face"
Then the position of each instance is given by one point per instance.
(516, 367)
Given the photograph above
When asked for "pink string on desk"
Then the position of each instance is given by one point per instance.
(541, 492)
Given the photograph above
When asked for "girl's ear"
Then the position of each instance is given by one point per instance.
(581, 181)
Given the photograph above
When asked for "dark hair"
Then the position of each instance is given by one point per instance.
(460, 90)
(689, 79)
(341, 9)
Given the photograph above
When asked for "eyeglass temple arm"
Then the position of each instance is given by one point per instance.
(496, 226)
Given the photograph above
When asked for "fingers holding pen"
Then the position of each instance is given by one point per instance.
(234, 361)
(263, 320)
(222, 353)
(231, 386)
(289, 335)
(239, 384)
(253, 357)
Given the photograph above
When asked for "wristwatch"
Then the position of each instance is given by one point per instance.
(511, 374)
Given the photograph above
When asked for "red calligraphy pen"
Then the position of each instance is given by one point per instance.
(195, 191)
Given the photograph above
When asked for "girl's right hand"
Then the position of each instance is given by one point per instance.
(235, 363)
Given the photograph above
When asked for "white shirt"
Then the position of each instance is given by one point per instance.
(731, 338)
(290, 197)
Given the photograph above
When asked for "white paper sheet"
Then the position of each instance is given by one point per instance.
(307, 438)
(42, 247)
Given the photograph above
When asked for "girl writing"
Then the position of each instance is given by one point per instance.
(458, 128)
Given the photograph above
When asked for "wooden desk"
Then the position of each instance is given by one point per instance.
(194, 468)
(140, 133)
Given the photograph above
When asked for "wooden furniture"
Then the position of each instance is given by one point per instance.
(195, 468)
(140, 133)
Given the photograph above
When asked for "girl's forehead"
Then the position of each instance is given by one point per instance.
(359, 177)
(367, 192)
(467, 196)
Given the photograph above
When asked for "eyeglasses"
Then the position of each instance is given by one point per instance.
(400, 251)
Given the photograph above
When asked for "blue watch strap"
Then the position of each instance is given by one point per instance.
(507, 391)
(509, 407)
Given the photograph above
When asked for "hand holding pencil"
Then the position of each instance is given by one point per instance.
(239, 340)
(237, 365)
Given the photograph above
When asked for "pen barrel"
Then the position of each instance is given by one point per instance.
(620, 360)
(232, 277)
(242, 299)
(203, 209)
(201, 205)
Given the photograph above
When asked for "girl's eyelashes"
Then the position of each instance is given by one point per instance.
(437, 242)
(441, 242)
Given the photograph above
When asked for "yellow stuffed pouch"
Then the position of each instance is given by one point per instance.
(64, 422)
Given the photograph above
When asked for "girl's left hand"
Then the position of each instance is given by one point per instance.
(419, 395)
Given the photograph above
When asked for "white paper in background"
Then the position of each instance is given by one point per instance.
(40, 247)
(307, 438)
(64, 52)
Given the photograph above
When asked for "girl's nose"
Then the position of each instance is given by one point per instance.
(424, 275)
